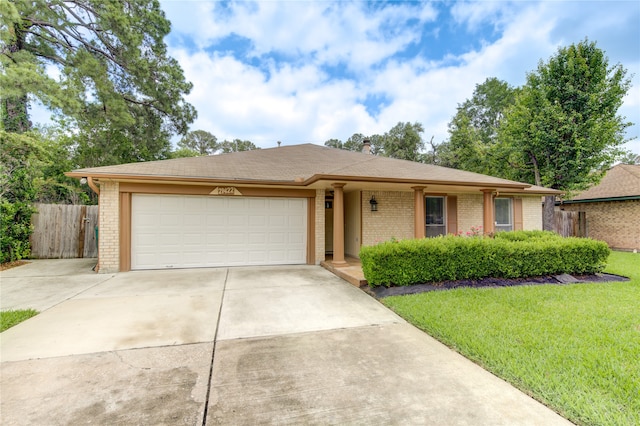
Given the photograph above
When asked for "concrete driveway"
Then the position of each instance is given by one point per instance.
(259, 345)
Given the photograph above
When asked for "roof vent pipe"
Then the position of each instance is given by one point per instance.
(366, 146)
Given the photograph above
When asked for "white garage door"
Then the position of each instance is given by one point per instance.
(175, 231)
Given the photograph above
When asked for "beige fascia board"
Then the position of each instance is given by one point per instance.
(515, 187)
(414, 182)
(192, 180)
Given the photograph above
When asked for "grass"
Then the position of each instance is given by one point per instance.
(576, 348)
(13, 317)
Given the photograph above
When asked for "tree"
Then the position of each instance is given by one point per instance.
(200, 141)
(473, 130)
(563, 131)
(54, 160)
(397, 141)
(354, 143)
(18, 170)
(403, 141)
(183, 153)
(334, 143)
(116, 84)
(630, 158)
(237, 145)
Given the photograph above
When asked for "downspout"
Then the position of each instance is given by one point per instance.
(93, 186)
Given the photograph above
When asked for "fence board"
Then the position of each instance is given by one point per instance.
(570, 224)
(64, 231)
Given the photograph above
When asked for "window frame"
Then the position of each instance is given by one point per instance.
(501, 227)
(443, 225)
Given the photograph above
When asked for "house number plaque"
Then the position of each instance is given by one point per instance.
(225, 190)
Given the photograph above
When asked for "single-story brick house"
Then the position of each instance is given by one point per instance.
(289, 205)
(612, 207)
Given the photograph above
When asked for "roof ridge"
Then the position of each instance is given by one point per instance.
(626, 167)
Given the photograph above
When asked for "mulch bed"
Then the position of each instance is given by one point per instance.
(9, 265)
(380, 292)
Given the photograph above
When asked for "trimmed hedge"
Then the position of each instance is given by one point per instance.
(517, 254)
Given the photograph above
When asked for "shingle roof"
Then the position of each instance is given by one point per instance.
(622, 180)
(297, 164)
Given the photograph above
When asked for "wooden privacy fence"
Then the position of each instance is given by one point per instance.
(64, 231)
(570, 224)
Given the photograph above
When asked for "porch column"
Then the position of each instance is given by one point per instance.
(419, 218)
(338, 224)
(488, 225)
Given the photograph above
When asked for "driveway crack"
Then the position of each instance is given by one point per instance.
(213, 352)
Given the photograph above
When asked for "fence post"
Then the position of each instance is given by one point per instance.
(82, 230)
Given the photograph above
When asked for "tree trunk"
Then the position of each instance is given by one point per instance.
(15, 113)
(15, 116)
(548, 212)
(536, 170)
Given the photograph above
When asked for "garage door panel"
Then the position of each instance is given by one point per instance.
(278, 256)
(194, 231)
(257, 203)
(237, 221)
(296, 238)
(257, 221)
(169, 220)
(296, 222)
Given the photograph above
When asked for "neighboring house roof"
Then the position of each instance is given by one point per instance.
(299, 165)
(621, 182)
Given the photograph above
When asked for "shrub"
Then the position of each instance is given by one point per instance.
(516, 254)
(15, 229)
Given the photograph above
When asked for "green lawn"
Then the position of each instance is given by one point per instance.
(576, 348)
(10, 318)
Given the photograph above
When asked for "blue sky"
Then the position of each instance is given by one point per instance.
(308, 71)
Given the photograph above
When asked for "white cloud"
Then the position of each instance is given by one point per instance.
(295, 105)
(326, 32)
(283, 86)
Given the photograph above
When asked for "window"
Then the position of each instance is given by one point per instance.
(504, 214)
(435, 212)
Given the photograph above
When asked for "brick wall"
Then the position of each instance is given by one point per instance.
(319, 226)
(394, 218)
(470, 208)
(109, 228)
(532, 213)
(615, 222)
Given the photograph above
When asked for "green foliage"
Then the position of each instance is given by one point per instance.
(404, 141)
(54, 160)
(236, 145)
(184, 153)
(15, 230)
(630, 158)
(117, 88)
(14, 317)
(18, 173)
(563, 131)
(473, 130)
(199, 141)
(509, 255)
(354, 143)
(573, 347)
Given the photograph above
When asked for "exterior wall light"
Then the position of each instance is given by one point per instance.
(374, 204)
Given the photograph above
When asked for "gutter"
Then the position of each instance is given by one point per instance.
(601, 200)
